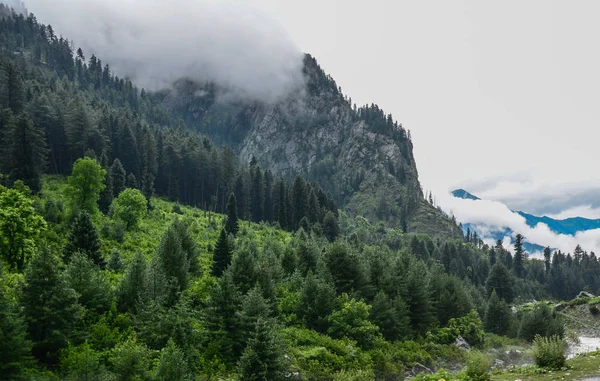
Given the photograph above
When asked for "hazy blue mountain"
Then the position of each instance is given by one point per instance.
(569, 226)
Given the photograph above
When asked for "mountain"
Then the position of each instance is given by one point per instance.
(461, 193)
(569, 226)
(359, 155)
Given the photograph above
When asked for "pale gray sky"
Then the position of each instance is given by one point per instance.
(501, 97)
(488, 89)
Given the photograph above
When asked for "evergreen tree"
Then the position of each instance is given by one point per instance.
(492, 256)
(231, 227)
(269, 213)
(331, 228)
(172, 365)
(84, 238)
(106, 195)
(13, 85)
(282, 211)
(547, 261)
(300, 200)
(50, 307)
(257, 194)
(89, 283)
(500, 281)
(118, 177)
(519, 256)
(15, 347)
(222, 254)
(78, 129)
(132, 289)
(241, 196)
(317, 302)
(115, 263)
(391, 317)
(497, 315)
(132, 181)
(263, 358)
(25, 152)
(174, 263)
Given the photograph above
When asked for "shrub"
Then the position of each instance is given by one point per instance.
(594, 309)
(548, 352)
(177, 209)
(478, 367)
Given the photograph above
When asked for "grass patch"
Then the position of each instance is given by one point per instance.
(577, 368)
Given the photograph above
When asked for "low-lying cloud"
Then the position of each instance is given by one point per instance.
(156, 42)
(489, 216)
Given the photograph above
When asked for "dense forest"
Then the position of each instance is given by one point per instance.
(135, 248)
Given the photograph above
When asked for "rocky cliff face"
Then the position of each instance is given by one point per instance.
(361, 156)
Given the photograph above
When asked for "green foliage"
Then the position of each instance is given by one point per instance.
(132, 289)
(20, 225)
(500, 281)
(497, 315)
(543, 321)
(50, 306)
(469, 327)
(83, 363)
(263, 358)
(478, 367)
(85, 184)
(130, 206)
(90, 284)
(548, 352)
(15, 347)
(331, 227)
(351, 320)
(131, 361)
(231, 227)
(172, 364)
(83, 238)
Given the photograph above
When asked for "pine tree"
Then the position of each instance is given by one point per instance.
(84, 238)
(222, 254)
(231, 227)
(132, 181)
(519, 256)
(106, 195)
(492, 256)
(25, 152)
(78, 129)
(173, 261)
(241, 196)
(547, 262)
(497, 315)
(263, 358)
(300, 200)
(257, 194)
(118, 177)
(50, 307)
(391, 317)
(317, 302)
(172, 365)
(331, 228)
(269, 196)
(282, 211)
(15, 347)
(132, 289)
(90, 284)
(499, 280)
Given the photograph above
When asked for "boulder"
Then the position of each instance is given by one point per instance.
(462, 343)
(559, 307)
(584, 294)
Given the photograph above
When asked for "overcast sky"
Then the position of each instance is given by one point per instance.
(501, 97)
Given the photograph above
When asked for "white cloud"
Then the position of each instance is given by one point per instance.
(155, 42)
(488, 215)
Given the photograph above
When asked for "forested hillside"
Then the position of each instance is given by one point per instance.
(134, 248)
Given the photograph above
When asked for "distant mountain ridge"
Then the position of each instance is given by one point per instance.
(568, 226)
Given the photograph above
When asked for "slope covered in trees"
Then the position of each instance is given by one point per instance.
(134, 248)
